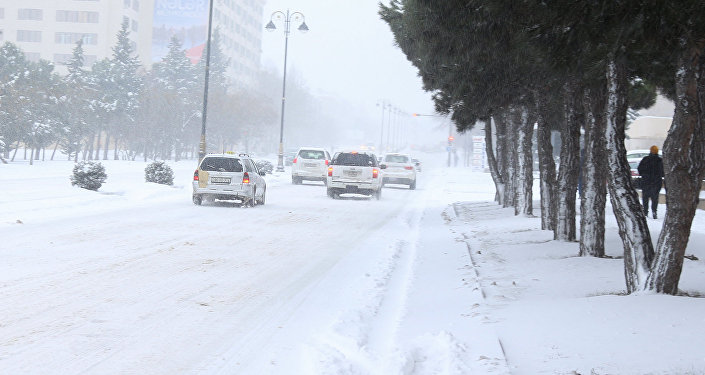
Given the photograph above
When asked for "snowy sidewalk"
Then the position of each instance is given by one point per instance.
(557, 313)
(444, 329)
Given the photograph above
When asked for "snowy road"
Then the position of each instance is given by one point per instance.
(138, 280)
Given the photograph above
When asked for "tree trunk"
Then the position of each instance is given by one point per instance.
(97, 146)
(56, 145)
(525, 162)
(115, 151)
(15, 153)
(494, 170)
(509, 160)
(594, 168)
(684, 167)
(547, 168)
(107, 146)
(31, 156)
(501, 155)
(636, 239)
(570, 163)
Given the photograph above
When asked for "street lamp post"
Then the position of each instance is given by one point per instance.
(202, 143)
(384, 105)
(288, 17)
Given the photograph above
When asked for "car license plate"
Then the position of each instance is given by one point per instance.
(310, 165)
(220, 180)
(352, 173)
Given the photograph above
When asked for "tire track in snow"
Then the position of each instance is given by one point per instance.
(364, 340)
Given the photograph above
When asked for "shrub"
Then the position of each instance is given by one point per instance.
(88, 175)
(160, 173)
(264, 166)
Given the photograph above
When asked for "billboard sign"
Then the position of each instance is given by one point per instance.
(187, 19)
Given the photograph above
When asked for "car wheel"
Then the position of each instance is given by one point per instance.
(197, 200)
(378, 194)
(412, 185)
(264, 195)
(330, 193)
(253, 199)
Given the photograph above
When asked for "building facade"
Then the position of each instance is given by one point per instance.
(49, 29)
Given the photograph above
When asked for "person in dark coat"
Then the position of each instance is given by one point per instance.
(651, 172)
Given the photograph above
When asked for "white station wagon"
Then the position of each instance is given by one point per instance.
(229, 177)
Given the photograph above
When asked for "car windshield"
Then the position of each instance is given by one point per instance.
(221, 165)
(396, 159)
(355, 159)
(633, 165)
(312, 154)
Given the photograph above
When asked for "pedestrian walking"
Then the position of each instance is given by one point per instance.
(651, 172)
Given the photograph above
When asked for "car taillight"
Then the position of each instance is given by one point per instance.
(195, 175)
(295, 159)
(375, 173)
(246, 178)
(408, 167)
(635, 173)
(327, 162)
(330, 171)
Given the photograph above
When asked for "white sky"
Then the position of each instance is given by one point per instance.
(349, 52)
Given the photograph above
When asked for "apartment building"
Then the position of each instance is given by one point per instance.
(239, 22)
(49, 29)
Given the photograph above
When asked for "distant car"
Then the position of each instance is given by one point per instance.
(310, 164)
(228, 177)
(264, 166)
(354, 172)
(289, 156)
(636, 178)
(639, 154)
(417, 164)
(399, 169)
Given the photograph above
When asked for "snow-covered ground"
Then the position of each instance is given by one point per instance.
(135, 279)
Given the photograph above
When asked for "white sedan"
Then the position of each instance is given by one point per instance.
(400, 169)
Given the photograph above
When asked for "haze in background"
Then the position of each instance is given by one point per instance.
(349, 53)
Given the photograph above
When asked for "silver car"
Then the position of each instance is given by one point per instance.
(229, 177)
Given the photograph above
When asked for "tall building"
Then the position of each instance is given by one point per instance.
(239, 22)
(49, 29)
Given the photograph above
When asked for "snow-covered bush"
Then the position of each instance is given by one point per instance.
(88, 175)
(160, 173)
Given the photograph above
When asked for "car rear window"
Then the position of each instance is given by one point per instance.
(221, 165)
(312, 154)
(396, 159)
(354, 159)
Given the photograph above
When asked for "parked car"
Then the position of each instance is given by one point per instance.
(399, 169)
(310, 164)
(639, 154)
(354, 172)
(636, 178)
(229, 177)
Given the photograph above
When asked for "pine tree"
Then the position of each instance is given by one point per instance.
(177, 86)
(75, 112)
(121, 91)
(13, 66)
